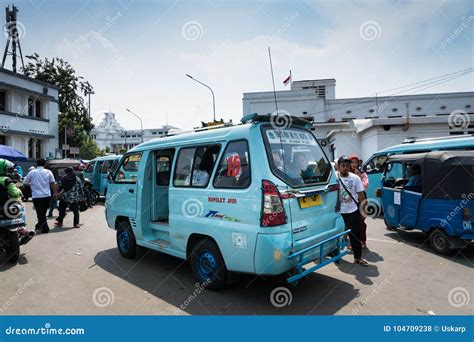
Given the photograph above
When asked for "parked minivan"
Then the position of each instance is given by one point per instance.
(373, 166)
(99, 171)
(254, 198)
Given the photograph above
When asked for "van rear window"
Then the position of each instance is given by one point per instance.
(296, 157)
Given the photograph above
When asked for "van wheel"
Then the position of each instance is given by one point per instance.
(208, 265)
(13, 247)
(440, 242)
(126, 243)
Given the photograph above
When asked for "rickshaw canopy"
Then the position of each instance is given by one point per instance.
(444, 174)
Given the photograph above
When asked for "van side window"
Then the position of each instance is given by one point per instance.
(234, 167)
(105, 166)
(90, 167)
(163, 169)
(194, 166)
(128, 169)
(375, 165)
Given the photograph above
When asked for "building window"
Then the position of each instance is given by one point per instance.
(38, 148)
(3, 140)
(305, 113)
(3, 100)
(442, 107)
(31, 107)
(348, 111)
(38, 109)
(467, 106)
(395, 110)
(30, 148)
(418, 109)
(371, 111)
(154, 133)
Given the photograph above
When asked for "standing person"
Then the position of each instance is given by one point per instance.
(352, 192)
(356, 169)
(70, 196)
(41, 181)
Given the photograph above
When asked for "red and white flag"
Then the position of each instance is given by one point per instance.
(287, 80)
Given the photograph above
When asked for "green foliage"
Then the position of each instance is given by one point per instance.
(73, 112)
(90, 150)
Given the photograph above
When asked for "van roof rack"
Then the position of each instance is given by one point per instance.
(412, 140)
(294, 120)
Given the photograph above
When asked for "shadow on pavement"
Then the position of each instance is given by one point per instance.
(170, 279)
(420, 240)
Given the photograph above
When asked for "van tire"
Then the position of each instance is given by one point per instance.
(126, 242)
(388, 226)
(440, 242)
(208, 265)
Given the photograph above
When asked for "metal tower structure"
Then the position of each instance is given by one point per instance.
(13, 37)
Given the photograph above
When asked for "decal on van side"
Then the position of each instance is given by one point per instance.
(215, 214)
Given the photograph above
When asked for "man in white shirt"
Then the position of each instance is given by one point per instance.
(352, 198)
(41, 182)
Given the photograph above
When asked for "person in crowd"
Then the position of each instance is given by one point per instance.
(357, 170)
(70, 196)
(20, 170)
(41, 182)
(53, 205)
(351, 194)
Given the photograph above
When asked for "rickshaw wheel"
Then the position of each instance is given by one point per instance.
(126, 242)
(439, 242)
(388, 226)
(208, 265)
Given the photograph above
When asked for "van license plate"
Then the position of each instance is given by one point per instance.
(310, 201)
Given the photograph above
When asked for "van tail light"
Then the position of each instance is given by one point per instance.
(273, 212)
(466, 214)
(336, 187)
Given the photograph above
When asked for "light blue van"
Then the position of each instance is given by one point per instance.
(373, 166)
(253, 198)
(98, 171)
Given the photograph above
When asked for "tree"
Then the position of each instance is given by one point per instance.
(73, 112)
(90, 150)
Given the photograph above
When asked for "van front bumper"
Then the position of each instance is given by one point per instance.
(274, 255)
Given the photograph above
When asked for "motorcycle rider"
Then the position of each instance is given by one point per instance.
(12, 192)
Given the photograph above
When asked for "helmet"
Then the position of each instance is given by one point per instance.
(5, 167)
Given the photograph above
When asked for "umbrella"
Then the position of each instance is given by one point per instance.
(7, 152)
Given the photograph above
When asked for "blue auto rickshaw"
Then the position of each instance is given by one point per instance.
(431, 192)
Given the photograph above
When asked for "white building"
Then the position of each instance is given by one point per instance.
(28, 115)
(369, 124)
(110, 134)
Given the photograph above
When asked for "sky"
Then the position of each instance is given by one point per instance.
(136, 53)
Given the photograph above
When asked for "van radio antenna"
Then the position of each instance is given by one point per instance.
(273, 79)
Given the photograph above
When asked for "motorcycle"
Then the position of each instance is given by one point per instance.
(13, 232)
(91, 193)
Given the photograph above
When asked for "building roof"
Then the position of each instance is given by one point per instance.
(31, 79)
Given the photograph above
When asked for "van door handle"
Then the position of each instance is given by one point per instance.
(131, 191)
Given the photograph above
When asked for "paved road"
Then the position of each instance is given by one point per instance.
(79, 271)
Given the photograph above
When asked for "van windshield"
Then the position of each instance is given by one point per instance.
(295, 156)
